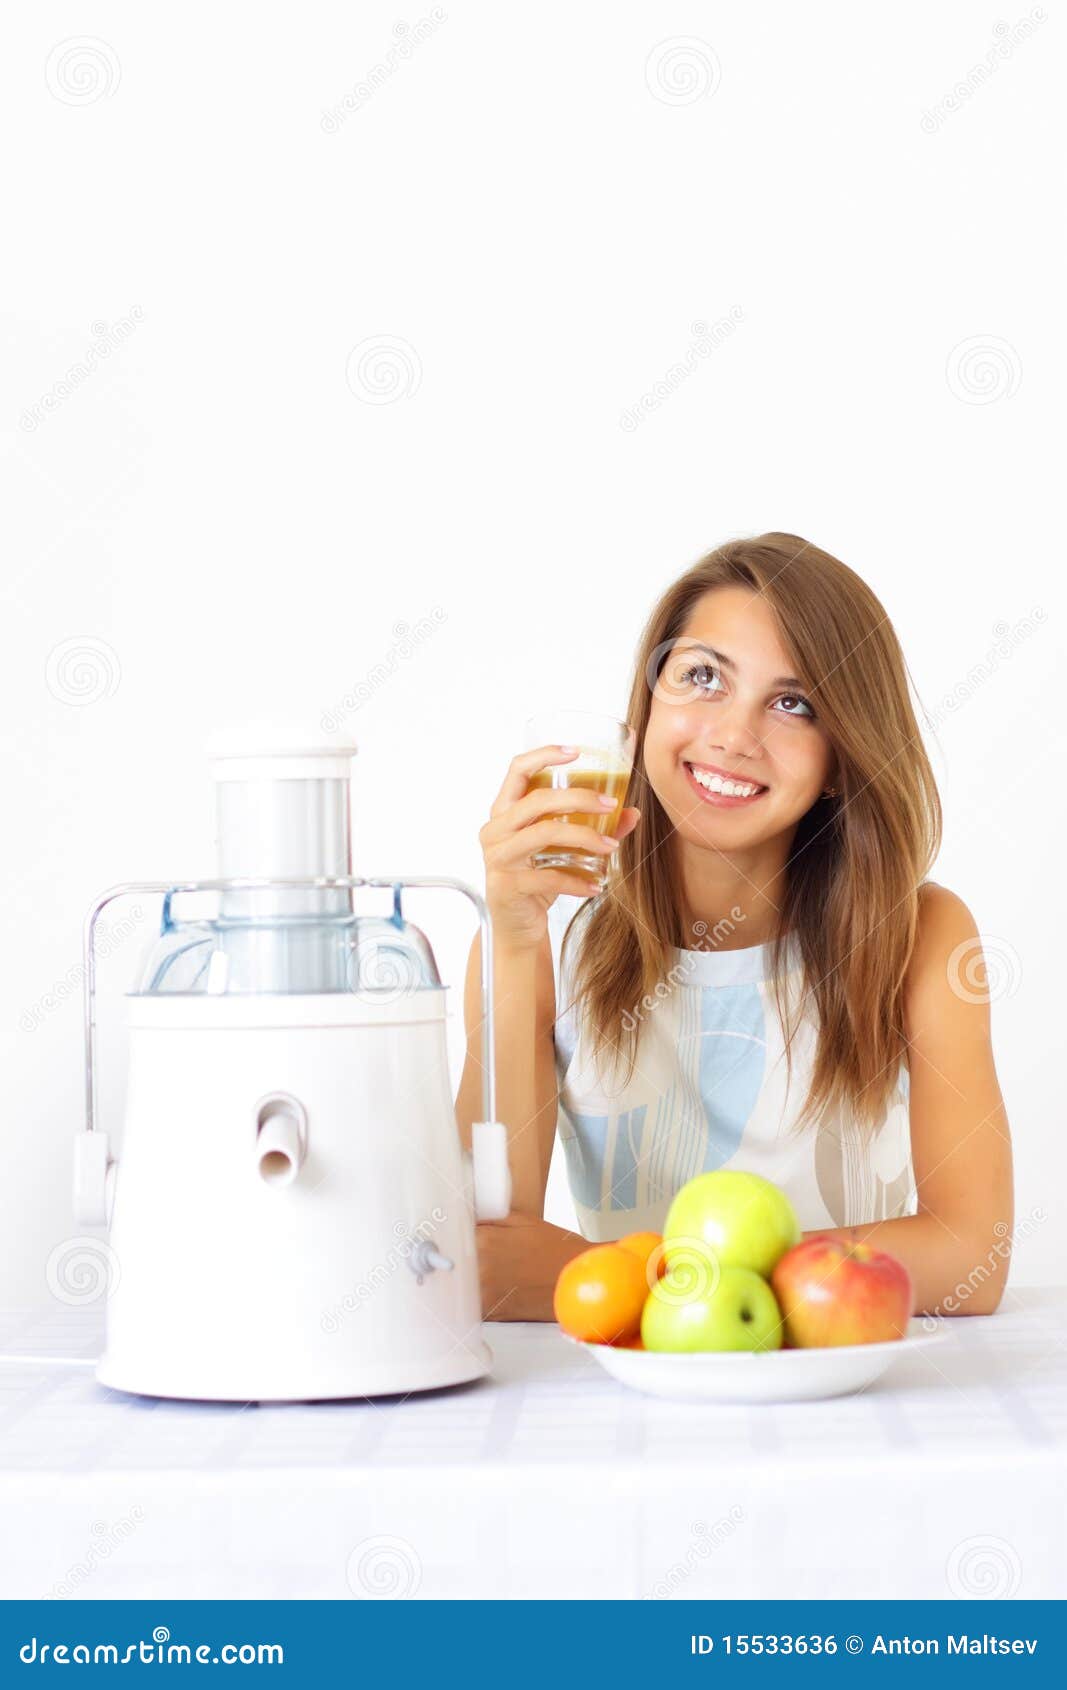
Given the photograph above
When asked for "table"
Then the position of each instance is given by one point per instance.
(946, 1478)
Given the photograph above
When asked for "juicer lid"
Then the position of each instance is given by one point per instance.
(279, 748)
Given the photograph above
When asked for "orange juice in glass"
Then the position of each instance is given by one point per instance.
(605, 758)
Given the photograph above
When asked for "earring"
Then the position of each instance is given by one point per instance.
(830, 792)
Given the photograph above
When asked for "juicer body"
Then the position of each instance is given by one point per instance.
(292, 1213)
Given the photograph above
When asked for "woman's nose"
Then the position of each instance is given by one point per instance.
(734, 730)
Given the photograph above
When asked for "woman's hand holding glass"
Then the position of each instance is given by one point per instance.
(524, 822)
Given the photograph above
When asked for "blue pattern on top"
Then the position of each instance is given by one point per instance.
(732, 1058)
(585, 1157)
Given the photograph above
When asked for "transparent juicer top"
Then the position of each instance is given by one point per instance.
(283, 814)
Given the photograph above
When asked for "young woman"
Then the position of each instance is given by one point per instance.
(768, 982)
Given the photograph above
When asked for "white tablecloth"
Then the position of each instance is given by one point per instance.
(947, 1478)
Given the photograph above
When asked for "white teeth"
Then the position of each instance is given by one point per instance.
(728, 788)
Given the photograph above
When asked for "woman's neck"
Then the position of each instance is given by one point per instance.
(729, 903)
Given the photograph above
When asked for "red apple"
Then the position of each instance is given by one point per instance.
(831, 1292)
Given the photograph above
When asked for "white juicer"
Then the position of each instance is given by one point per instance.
(292, 1215)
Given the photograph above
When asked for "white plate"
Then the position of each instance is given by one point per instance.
(748, 1376)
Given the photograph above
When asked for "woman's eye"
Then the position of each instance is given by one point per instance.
(792, 698)
(701, 674)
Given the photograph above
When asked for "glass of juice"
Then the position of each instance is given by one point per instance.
(605, 758)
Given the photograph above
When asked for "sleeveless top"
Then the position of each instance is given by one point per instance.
(709, 1090)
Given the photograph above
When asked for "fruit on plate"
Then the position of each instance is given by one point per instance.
(831, 1292)
(600, 1293)
(739, 1313)
(649, 1247)
(743, 1219)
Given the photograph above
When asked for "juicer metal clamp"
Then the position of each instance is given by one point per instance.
(95, 1170)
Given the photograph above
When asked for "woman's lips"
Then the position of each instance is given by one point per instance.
(720, 799)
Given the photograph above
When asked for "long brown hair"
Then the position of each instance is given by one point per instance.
(857, 860)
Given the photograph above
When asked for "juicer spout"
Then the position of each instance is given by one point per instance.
(281, 1140)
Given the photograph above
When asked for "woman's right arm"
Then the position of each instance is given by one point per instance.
(521, 1257)
(519, 896)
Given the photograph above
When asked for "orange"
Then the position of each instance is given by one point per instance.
(646, 1245)
(637, 1343)
(600, 1294)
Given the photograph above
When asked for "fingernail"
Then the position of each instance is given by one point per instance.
(608, 803)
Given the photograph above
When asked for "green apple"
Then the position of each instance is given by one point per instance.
(744, 1220)
(741, 1313)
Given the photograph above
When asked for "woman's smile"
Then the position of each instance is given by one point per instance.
(717, 786)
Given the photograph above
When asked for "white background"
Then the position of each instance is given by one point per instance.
(531, 212)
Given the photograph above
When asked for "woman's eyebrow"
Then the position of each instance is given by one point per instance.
(728, 663)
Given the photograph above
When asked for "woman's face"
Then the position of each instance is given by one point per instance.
(728, 703)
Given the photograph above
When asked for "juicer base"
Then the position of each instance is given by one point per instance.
(383, 1380)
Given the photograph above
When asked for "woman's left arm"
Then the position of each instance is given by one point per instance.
(956, 1247)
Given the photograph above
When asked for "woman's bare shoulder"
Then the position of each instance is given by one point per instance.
(946, 966)
(943, 916)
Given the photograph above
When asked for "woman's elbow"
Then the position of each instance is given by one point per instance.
(982, 1271)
